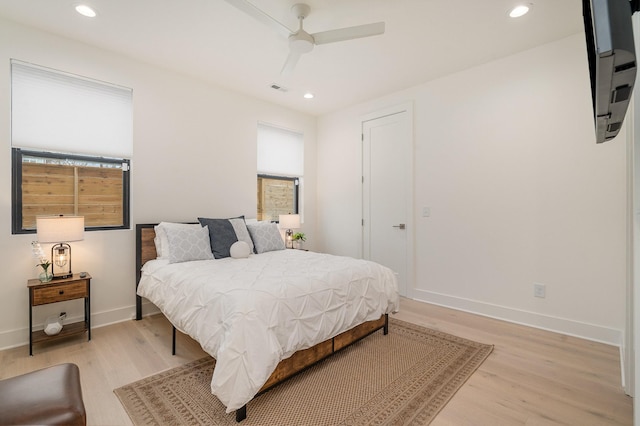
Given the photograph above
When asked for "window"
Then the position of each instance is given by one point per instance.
(71, 140)
(276, 195)
(53, 184)
(280, 172)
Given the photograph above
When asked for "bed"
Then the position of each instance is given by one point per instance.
(267, 316)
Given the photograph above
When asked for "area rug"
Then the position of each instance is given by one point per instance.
(403, 378)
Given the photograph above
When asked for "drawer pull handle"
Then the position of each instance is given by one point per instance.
(61, 292)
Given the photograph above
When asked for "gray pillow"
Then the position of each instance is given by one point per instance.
(266, 236)
(240, 226)
(224, 232)
(188, 244)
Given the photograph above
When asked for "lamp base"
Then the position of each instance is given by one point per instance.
(62, 276)
(61, 261)
(289, 239)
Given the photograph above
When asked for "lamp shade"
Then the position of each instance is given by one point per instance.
(57, 229)
(289, 221)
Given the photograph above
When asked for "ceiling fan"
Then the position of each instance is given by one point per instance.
(300, 41)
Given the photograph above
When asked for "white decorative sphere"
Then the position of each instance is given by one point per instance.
(240, 250)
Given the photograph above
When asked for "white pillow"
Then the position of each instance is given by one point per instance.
(158, 241)
(266, 236)
(240, 250)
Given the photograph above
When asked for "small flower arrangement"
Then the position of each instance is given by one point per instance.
(298, 238)
(44, 262)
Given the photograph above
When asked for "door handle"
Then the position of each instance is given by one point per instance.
(401, 226)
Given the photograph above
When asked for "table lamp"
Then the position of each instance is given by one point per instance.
(289, 222)
(60, 230)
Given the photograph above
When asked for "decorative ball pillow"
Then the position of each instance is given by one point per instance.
(224, 232)
(266, 237)
(240, 250)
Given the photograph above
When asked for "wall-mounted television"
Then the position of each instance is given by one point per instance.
(612, 61)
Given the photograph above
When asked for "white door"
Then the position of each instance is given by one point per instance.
(387, 192)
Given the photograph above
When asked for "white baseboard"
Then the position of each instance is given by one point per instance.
(14, 338)
(20, 337)
(566, 326)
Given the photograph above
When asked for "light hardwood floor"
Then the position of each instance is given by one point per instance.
(532, 377)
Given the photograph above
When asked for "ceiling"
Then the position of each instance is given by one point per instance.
(213, 41)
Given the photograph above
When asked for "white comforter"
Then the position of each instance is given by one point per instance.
(249, 314)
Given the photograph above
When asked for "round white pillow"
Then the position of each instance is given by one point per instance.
(240, 250)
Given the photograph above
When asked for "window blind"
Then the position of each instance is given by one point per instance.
(61, 112)
(280, 151)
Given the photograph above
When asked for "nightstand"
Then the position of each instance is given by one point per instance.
(60, 290)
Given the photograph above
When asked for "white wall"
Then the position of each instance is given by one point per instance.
(505, 157)
(194, 155)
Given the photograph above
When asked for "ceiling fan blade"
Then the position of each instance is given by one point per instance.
(349, 33)
(290, 64)
(251, 10)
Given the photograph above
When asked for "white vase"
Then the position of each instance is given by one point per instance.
(53, 326)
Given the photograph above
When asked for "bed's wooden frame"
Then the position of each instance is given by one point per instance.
(146, 250)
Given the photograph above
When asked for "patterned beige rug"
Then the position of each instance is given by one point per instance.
(403, 378)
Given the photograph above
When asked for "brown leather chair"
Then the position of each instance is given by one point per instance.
(51, 396)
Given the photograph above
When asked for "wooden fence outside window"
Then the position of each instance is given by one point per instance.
(54, 184)
(276, 196)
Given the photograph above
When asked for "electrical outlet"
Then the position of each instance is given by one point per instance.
(539, 290)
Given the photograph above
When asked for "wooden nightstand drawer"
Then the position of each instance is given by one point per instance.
(59, 293)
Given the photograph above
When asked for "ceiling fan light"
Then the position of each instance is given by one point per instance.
(309, 95)
(85, 10)
(301, 42)
(519, 11)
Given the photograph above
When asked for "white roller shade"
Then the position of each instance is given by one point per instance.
(280, 151)
(61, 112)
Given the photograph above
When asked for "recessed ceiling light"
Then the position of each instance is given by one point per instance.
(85, 10)
(308, 95)
(519, 11)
